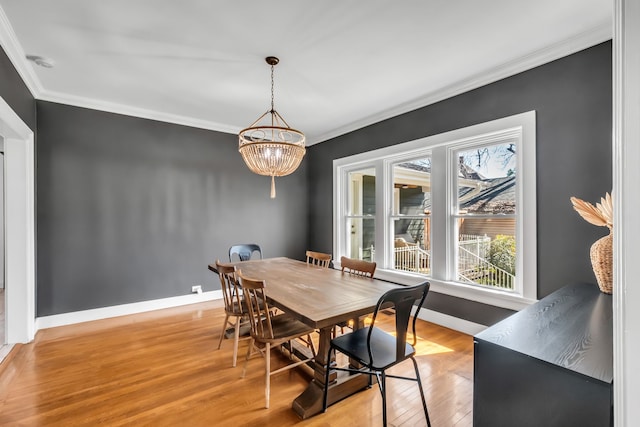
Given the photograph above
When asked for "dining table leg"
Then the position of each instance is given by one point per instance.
(309, 403)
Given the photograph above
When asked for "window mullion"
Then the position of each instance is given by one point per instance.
(439, 215)
(382, 209)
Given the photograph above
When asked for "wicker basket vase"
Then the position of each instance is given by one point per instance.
(602, 262)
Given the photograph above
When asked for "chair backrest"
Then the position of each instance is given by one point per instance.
(357, 267)
(318, 258)
(244, 252)
(255, 298)
(402, 299)
(231, 290)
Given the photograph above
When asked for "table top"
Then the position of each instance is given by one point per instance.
(319, 297)
(571, 328)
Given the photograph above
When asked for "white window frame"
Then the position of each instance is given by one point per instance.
(520, 128)
(344, 201)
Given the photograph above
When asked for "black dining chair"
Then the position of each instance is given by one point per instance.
(244, 252)
(376, 350)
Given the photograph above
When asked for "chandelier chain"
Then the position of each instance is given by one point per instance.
(272, 103)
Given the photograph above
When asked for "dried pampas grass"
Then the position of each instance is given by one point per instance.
(601, 214)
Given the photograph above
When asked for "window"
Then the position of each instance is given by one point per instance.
(360, 214)
(411, 215)
(484, 216)
(458, 208)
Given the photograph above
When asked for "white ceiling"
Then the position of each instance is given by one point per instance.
(343, 64)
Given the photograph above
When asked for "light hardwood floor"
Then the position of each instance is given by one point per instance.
(2, 315)
(162, 369)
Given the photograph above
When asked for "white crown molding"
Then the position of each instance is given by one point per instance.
(16, 55)
(559, 50)
(111, 107)
(123, 310)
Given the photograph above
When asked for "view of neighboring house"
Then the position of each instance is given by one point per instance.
(486, 223)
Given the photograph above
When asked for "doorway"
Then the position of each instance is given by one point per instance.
(19, 227)
(3, 334)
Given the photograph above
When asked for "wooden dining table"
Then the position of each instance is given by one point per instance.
(321, 298)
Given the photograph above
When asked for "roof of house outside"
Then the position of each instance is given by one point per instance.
(491, 195)
(497, 196)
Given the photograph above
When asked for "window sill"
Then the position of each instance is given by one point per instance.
(492, 297)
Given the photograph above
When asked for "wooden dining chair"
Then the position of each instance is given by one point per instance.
(357, 267)
(234, 307)
(269, 331)
(354, 267)
(245, 252)
(376, 350)
(318, 258)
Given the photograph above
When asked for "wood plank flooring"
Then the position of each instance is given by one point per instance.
(2, 316)
(162, 368)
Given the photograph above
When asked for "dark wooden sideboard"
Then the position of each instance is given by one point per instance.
(551, 364)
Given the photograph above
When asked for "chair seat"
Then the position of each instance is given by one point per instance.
(236, 309)
(240, 308)
(383, 348)
(285, 328)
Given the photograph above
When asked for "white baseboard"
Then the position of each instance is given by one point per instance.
(123, 310)
(45, 322)
(4, 351)
(455, 323)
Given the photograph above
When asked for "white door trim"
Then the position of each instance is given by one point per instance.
(20, 226)
(626, 175)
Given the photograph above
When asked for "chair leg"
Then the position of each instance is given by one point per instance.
(224, 328)
(326, 381)
(267, 388)
(246, 361)
(380, 383)
(383, 390)
(424, 402)
(236, 338)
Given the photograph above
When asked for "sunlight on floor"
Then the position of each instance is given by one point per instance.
(425, 347)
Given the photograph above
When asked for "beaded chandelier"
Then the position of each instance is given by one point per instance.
(269, 146)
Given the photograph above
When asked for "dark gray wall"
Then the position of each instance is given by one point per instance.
(114, 227)
(15, 92)
(132, 209)
(572, 97)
